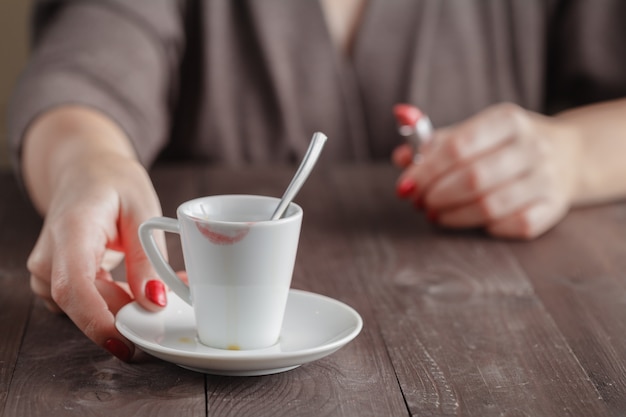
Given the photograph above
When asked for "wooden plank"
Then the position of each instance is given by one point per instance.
(465, 331)
(19, 225)
(356, 380)
(455, 323)
(579, 272)
(15, 303)
(61, 373)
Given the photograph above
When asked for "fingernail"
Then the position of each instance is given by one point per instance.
(432, 216)
(406, 115)
(118, 349)
(155, 292)
(406, 187)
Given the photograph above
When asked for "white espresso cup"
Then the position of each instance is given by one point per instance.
(239, 264)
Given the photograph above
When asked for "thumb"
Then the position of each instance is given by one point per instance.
(144, 283)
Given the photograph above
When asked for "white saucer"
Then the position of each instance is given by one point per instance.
(314, 326)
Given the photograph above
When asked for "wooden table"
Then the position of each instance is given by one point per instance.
(454, 323)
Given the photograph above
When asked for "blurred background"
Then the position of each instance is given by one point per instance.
(14, 18)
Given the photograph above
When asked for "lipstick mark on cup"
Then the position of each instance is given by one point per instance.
(222, 238)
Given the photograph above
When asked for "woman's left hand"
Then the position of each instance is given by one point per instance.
(511, 171)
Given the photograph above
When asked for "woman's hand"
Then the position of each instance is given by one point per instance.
(506, 169)
(94, 198)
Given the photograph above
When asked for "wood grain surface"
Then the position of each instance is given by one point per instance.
(455, 323)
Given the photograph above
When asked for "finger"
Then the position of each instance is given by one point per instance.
(75, 266)
(469, 182)
(407, 185)
(39, 265)
(41, 288)
(112, 259)
(125, 287)
(478, 135)
(497, 204)
(104, 275)
(412, 181)
(142, 279)
(113, 294)
(402, 156)
(183, 276)
(530, 222)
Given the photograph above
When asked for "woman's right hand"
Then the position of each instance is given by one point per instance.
(511, 171)
(83, 176)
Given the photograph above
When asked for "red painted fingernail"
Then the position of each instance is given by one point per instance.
(406, 115)
(155, 292)
(432, 216)
(406, 187)
(118, 349)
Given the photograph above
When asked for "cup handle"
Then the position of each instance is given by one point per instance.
(155, 256)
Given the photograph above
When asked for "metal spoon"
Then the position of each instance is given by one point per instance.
(306, 166)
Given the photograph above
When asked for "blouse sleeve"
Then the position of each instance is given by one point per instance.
(586, 53)
(118, 57)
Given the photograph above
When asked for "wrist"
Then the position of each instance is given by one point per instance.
(600, 169)
(571, 150)
(62, 137)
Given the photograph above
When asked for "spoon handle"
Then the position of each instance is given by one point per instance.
(305, 168)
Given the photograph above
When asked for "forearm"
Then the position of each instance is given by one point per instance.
(601, 130)
(60, 138)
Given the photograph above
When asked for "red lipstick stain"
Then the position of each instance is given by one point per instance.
(220, 238)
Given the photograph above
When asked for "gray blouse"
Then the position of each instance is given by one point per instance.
(249, 81)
